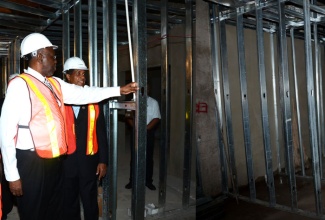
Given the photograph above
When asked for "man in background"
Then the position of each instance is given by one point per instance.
(153, 119)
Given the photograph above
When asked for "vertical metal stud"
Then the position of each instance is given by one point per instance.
(226, 93)
(66, 33)
(92, 43)
(285, 101)
(16, 54)
(110, 79)
(188, 105)
(77, 29)
(10, 58)
(140, 69)
(264, 106)
(275, 102)
(245, 110)
(164, 146)
(4, 74)
(302, 158)
(311, 109)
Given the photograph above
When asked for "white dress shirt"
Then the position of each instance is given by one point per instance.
(16, 110)
(152, 109)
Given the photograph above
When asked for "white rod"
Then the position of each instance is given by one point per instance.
(130, 42)
(129, 38)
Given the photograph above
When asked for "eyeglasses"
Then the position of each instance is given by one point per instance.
(47, 54)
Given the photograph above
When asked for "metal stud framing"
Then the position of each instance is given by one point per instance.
(226, 93)
(188, 106)
(311, 109)
(244, 104)
(164, 146)
(303, 23)
(108, 33)
(140, 70)
(264, 107)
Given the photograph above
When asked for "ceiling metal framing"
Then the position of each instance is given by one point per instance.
(21, 17)
(294, 17)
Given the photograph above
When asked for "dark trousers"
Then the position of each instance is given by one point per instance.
(6, 196)
(86, 188)
(42, 187)
(149, 155)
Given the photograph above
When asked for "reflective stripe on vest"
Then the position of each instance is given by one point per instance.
(54, 148)
(91, 137)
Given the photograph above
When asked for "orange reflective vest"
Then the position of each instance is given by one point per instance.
(47, 124)
(92, 144)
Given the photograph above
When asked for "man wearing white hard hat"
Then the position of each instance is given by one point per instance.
(33, 130)
(86, 160)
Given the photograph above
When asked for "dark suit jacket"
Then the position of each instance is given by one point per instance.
(79, 163)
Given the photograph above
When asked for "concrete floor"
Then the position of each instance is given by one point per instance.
(223, 208)
(173, 201)
(242, 210)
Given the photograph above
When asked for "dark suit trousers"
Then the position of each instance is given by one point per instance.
(149, 155)
(88, 194)
(42, 187)
(6, 196)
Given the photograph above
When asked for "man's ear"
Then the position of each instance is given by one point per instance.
(67, 76)
(39, 57)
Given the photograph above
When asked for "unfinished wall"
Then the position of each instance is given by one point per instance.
(206, 132)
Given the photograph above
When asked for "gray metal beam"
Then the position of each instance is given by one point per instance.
(164, 146)
(92, 43)
(188, 105)
(226, 98)
(4, 74)
(285, 103)
(16, 56)
(264, 105)
(244, 103)
(140, 70)
(293, 49)
(311, 110)
(77, 29)
(66, 35)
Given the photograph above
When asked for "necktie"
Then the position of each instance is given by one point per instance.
(48, 84)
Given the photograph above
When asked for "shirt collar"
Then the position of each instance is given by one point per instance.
(34, 73)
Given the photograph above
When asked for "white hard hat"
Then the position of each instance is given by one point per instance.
(74, 63)
(33, 42)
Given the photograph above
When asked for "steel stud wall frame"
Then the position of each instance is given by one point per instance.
(275, 23)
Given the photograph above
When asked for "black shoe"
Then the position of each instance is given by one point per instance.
(150, 186)
(128, 186)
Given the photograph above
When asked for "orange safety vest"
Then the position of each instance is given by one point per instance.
(92, 144)
(47, 124)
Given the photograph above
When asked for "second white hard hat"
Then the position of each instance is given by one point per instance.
(34, 42)
(74, 63)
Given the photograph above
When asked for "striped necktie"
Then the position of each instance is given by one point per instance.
(48, 84)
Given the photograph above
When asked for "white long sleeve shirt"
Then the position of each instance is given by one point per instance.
(16, 110)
